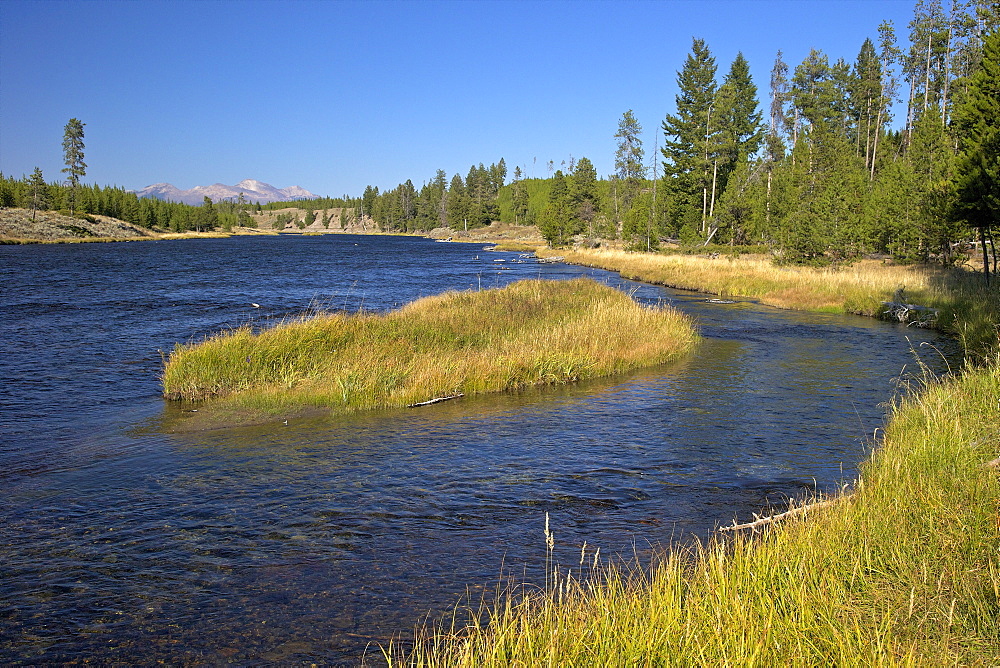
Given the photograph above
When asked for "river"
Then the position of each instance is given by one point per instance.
(316, 540)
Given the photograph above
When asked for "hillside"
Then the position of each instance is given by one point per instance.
(16, 225)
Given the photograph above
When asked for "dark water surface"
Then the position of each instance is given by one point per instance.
(120, 542)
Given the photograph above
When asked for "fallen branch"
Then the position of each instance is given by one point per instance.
(437, 400)
(761, 521)
(910, 314)
(995, 464)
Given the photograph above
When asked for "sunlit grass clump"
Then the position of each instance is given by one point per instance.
(967, 307)
(529, 333)
(905, 570)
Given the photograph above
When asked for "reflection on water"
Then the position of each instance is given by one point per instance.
(307, 541)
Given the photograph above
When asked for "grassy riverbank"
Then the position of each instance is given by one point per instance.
(903, 571)
(529, 333)
(967, 308)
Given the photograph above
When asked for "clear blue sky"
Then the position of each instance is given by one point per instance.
(333, 96)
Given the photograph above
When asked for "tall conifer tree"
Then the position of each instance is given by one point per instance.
(629, 168)
(691, 139)
(741, 130)
(75, 168)
(977, 177)
(39, 192)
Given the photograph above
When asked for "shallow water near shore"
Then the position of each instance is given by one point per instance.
(122, 541)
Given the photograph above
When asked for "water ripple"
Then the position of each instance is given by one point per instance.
(305, 542)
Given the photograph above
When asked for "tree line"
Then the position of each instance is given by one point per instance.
(825, 175)
(821, 171)
(459, 203)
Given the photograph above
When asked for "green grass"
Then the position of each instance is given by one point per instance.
(529, 333)
(903, 571)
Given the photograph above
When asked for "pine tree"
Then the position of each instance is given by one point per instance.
(932, 160)
(814, 92)
(498, 175)
(889, 54)
(368, 200)
(75, 168)
(926, 65)
(691, 140)
(629, 168)
(39, 192)
(206, 216)
(779, 96)
(432, 205)
(741, 130)
(774, 143)
(519, 198)
(557, 224)
(458, 204)
(583, 193)
(866, 100)
(737, 207)
(977, 175)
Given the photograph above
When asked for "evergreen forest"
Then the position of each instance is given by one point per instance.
(814, 166)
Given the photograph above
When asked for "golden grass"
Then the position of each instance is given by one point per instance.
(529, 333)
(904, 571)
(967, 307)
(517, 246)
(192, 235)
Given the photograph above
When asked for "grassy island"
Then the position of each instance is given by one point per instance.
(529, 333)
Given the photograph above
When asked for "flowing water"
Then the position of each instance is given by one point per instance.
(311, 541)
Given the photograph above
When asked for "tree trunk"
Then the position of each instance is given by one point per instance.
(993, 249)
(715, 172)
(767, 205)
(878, 131)
(868, 133)
(927, 73)
(986, 255)
(704, 208)
(947, 72)
(909, 114)
(795, 134)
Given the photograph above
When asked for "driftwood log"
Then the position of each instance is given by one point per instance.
(910, 314)
(437, 400)
(825, 503)
(794, 512)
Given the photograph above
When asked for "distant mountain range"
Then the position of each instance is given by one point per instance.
(253, 191)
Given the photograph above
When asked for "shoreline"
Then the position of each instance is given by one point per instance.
(17, 229)
(902, 571)
(960, 303)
